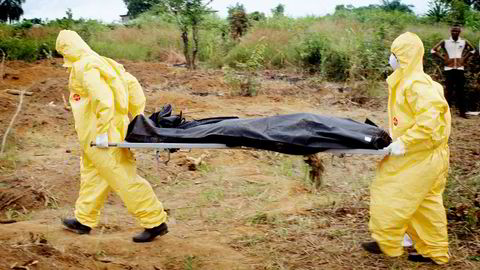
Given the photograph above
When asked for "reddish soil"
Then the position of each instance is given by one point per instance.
(238, 210)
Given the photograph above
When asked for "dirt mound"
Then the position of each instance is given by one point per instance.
(50, 245)
(18, 200)
(20, 74)
(34, 250)
(148, 73)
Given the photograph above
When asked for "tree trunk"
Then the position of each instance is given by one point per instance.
(185, 48)
(195, 44)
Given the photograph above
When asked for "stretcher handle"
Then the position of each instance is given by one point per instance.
(92, 144)
(157, 153)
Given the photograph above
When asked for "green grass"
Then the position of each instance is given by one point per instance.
(130, 51)
(348, 46)
(212, 195)
(190, 262)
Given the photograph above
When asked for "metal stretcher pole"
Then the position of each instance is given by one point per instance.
(223, 146)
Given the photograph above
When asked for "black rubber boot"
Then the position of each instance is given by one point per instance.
(415, 257)
(149, 234)
(73, 225)
(372, 247)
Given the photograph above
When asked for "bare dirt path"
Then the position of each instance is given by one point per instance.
(238, 210)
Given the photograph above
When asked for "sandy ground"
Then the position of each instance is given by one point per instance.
(238, 210)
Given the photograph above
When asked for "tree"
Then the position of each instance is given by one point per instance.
(475, 4)
(136, 7)
(34, 20)
(69, 14)
(343, 7)
(438, 10)
(278, 10)
(257, 16)
(396, 5)
(238, 20)
(11, 10)
(188, 14)
(459, 10)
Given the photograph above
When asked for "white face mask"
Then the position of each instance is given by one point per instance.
(393, 61)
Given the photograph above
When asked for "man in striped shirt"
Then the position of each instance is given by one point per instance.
(458, 51)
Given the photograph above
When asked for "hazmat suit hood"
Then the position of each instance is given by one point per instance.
(408, 49)
(80, 57)
(72, 47)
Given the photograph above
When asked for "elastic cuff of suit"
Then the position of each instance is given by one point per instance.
(85, 222)
(437, 257)
(389, 250)
(157, 222)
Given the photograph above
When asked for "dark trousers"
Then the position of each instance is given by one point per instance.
(455, 89)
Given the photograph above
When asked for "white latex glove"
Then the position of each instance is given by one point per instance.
(407, 241)
(397, 148)
(102, 140)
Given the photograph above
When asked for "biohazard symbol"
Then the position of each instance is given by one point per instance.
(76, 97)
(395, 121)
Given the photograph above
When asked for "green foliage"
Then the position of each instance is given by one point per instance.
(283, 23)
(459, 10)
(455, 12)
(187, 12)
(17, 48)
(189, 15)
(373, 15)
(279, 10)
(238, 20)
(256, 60)
(241, 84)
(472, 20)
(88, 29)
(352, 45)
(256, 16)
(153, 18)
(311, 50)
(66, 22)
(11, 10)
(24, 25)
(136, 7)
(69, 14)
(318, 55)
(132, 51)
(396, 5)
(474, 4)
(190, 262)
(438, 10)
(214, 42)
(262, 218)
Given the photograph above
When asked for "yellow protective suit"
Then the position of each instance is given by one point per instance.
(102, 94)
(406, 195)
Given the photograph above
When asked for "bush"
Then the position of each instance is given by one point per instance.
(89, 28)
(23, 25)
(16, 48)
(472, 20)
(132, 51)
(245, 85)
(317, 55)
(352, 45)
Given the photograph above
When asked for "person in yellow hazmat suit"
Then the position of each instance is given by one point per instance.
(102, 94)
(406, 195)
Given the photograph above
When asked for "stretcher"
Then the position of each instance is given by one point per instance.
(168, 147)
